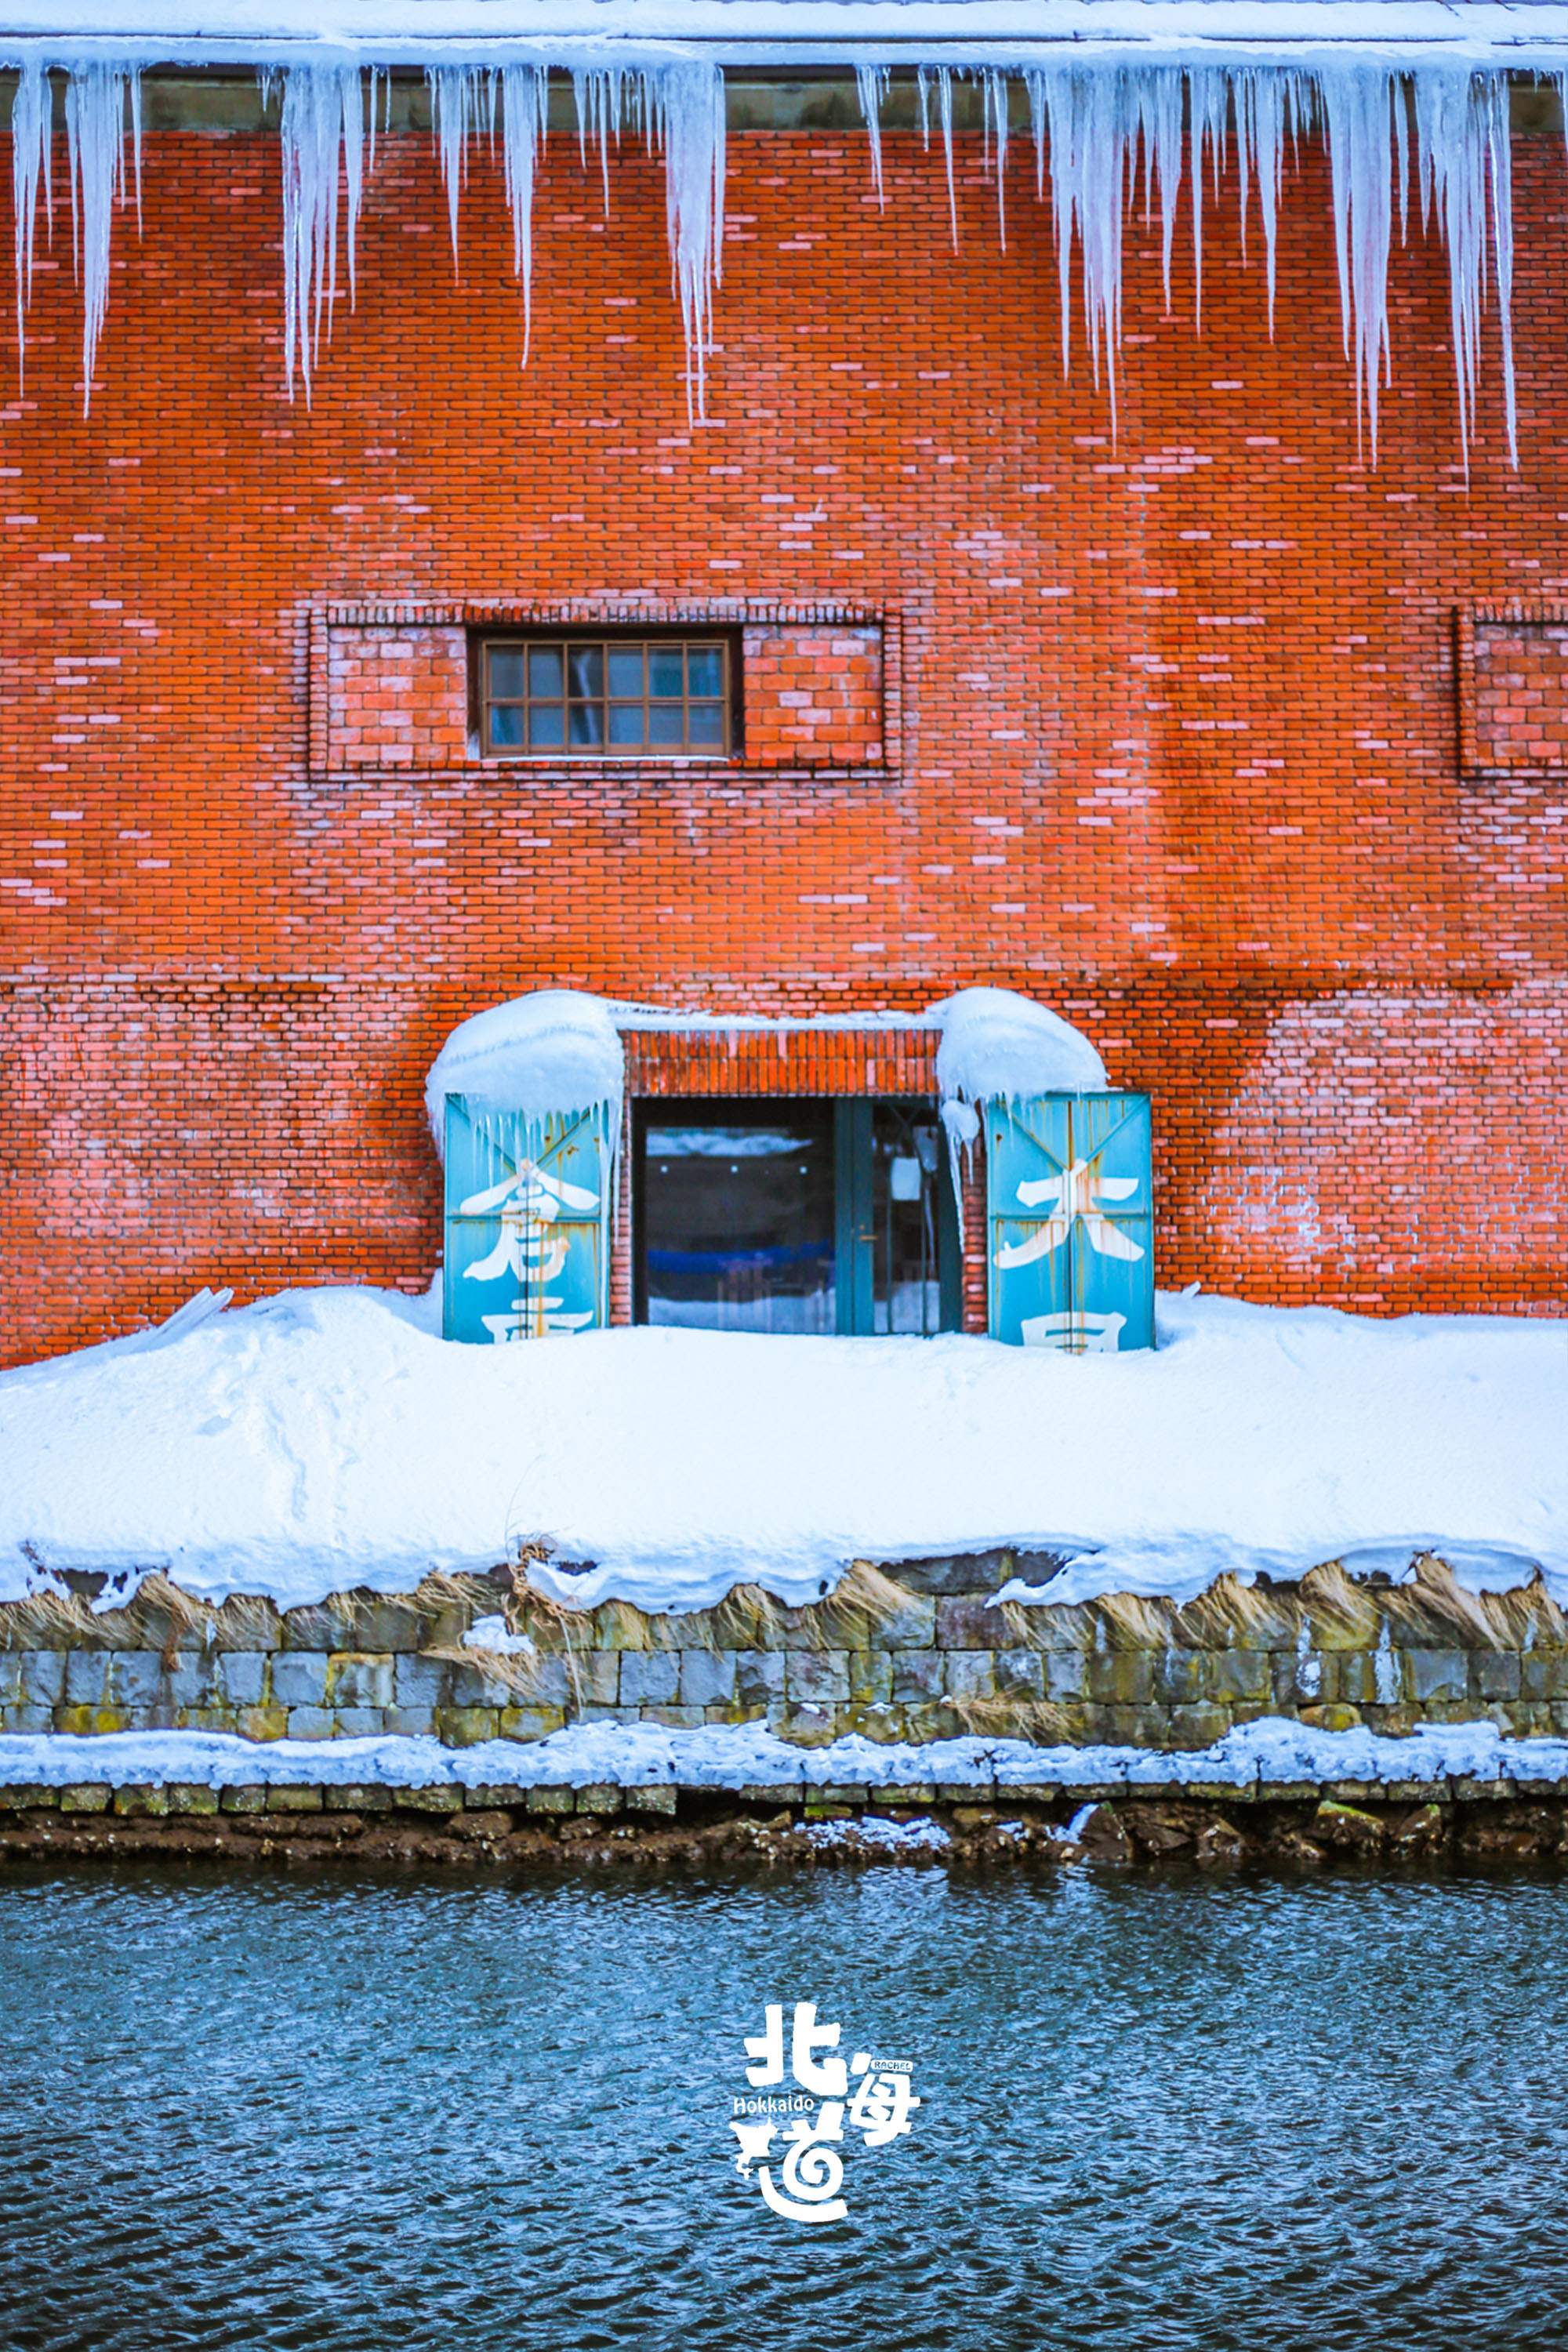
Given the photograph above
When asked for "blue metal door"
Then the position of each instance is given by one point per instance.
(1069, 1210)
(528, 1205)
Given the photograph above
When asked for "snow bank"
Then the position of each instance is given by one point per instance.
(556, 1050)
(998, 1047)
(329, 1438)
(742, 1756)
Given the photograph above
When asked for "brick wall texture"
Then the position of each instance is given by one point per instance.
(1164, 727)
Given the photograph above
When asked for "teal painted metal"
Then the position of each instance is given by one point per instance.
(855, 1277)
(949, 1250)
(528, 1204)
(1070, 1213)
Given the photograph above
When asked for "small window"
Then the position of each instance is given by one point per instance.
(606, 697)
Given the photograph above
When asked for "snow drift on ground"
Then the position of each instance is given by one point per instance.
(747, 1755)
(327, 1438)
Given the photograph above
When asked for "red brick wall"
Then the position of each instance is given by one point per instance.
(1513, 689)
(813, 695)
(1172, 720)
(396, 698)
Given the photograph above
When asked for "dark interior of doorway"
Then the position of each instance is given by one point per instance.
(794, 1214)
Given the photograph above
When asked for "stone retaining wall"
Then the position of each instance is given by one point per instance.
(919, 1652)
(1297, 1826)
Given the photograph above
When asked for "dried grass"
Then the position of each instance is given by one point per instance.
(1500, 1621)
(43, 1620)
(516, 1670)
(1039, 1720)
(1134, 1623)
(1229, 1614)
(747, 1618)
(1330, 1597)
(1050, 1625)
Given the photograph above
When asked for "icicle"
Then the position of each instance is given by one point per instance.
(1085, 119)
(961, 1124)
(1500, 155)
(1208, 105)
(32, 141)
(95, 144)
(1160, 103)
(944, 107)
(944, 103)
(1265, 98)
(993, 88)
(323, 131)
(688, 102)
(375, 76)
(1245, 124)
(462, 102)
(1356, 103)
(599, 94)
(1461, 132)
(525, 112)
(872, 84)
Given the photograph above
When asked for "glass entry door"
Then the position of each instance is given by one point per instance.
(795, 1215)
(899, 1269)
(735, 1215)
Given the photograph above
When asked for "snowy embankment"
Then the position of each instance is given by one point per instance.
(1272, 1754)
(330, 1438)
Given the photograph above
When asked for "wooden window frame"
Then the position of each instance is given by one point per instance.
(609, 640)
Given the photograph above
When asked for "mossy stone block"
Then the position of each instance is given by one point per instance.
(468, 1727)
(85, 1797)
(1238, 1674)
(658, 1797)
(142, 1800)
(439, 1797)
(530, 1722)
(192, 1797)
(263, 1723)
(552, 1801)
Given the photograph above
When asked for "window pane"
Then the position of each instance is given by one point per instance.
(737, 1229)
(589, 695)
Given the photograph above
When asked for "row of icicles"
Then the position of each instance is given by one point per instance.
(1099, 128)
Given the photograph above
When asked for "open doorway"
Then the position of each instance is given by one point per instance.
(794, 1214)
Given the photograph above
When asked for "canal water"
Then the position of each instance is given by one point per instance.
(1153, 2113)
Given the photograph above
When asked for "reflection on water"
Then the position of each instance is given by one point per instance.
(1156, 2114)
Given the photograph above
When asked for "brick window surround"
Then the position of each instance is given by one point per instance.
(754, 1064)
(1512, 676)
(391, 685)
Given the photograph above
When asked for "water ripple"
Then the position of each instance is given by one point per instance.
(346, 2117)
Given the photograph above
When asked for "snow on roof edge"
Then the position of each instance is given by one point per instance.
(787, 32)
